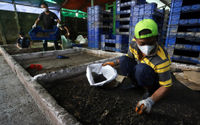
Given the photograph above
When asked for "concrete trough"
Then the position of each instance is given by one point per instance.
(12, 49)
(65, 97)
(56, 114)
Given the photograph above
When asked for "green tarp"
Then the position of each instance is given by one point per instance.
(72, 13)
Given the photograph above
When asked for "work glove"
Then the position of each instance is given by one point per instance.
(68, 34)
(58, 25)
(34, 25)
(109, 63)
(144, 105)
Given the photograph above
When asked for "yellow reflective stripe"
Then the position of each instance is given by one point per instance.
(161, 53)
(166, 83)
(134, 52)
(133, 39)
(149, 63)
(167, 63)
(169, 59)
(128, 56)
(162, 70)
(142, 61)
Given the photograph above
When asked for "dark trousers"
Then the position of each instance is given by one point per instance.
(141, 74)
(45, 45)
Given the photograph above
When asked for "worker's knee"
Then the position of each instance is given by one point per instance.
(126, 65)
(123, 60)
(145, 75)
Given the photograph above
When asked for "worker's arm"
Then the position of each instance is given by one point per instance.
(18, 46)
(36, 22)
(58, 21)
(146, 104)
(67, 30)
(113, 63)
(159, 93)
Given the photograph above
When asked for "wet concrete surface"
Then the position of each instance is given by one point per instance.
(53, 63)
(16, 105)
(12, 49)
(100, 106)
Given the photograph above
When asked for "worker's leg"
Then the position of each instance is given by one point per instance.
(127, 66)
(146, 77)
(45, 45)
(56, 45)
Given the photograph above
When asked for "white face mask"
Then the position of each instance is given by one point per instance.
(146, 49)
(44, 9)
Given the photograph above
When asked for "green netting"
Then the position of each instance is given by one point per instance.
(72, 13)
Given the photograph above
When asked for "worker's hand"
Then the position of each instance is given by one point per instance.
(109, 63)
(58, 25)
(144, 105)
(68, 34)
(34, 25)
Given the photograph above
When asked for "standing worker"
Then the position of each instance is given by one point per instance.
(147, 64)
(64, 32)
(48, 19)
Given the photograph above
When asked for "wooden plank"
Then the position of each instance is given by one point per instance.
(186, 82)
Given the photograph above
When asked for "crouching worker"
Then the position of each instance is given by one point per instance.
(22, 41)
(147, 64)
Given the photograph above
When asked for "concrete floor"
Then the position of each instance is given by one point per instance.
(16, 105)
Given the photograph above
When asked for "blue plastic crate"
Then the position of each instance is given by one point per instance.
(173, 22)
(53, 34)
(170, 41)
(97, 31)
(196, 48)
(151, 6)
(103, 37)
(193, 21)
(147, 12)
(149, 17)
(172, 34)
(183, 22)
(186, 59)
(135, 13)
(136, 8)
(188, 47)
(177, 4)
(141, 11)
(141, 1)
(176, 9)
(141, 6)
(172, 29)
(174, 17)
(195, 7)
(189, 34)
(186, 8)
(180, 35)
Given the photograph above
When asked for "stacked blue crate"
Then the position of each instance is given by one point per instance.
(116, 43)
(183, 32)
(145, 11)
(123, 13)
(94, 26)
